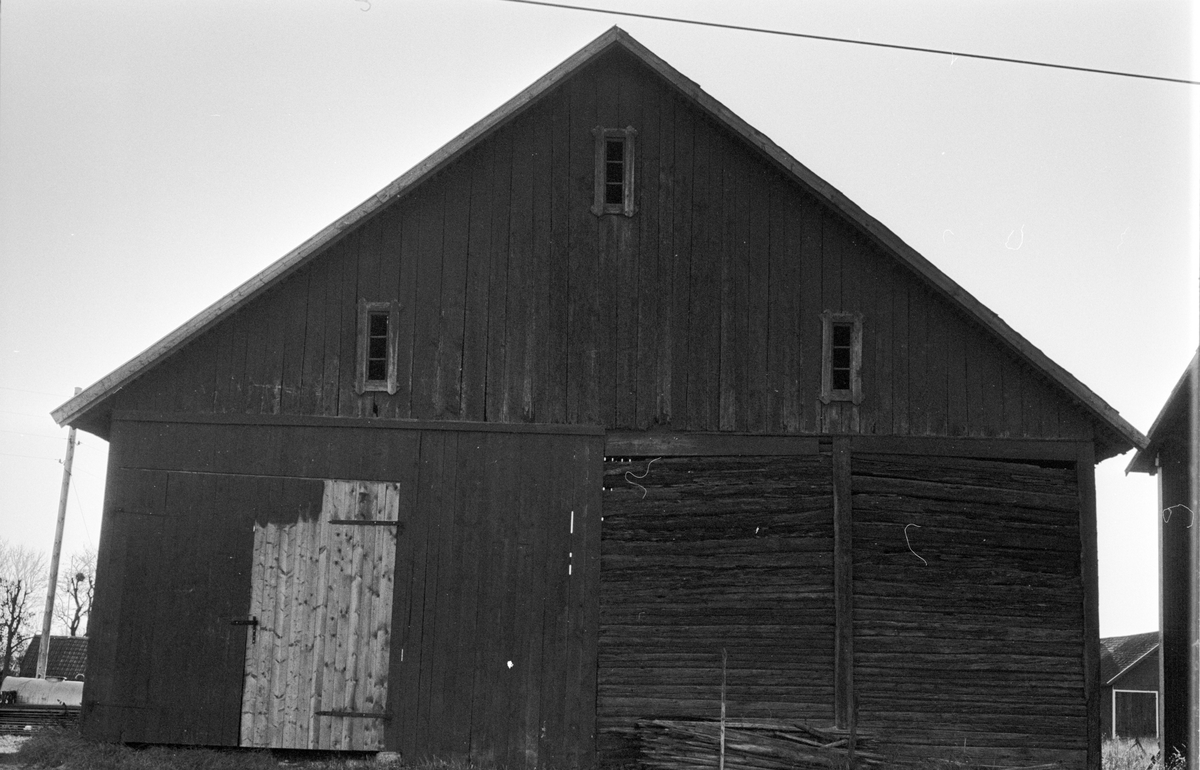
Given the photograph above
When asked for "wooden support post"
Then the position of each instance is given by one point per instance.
(1085, 469)
(1193, 614)
(43, 658)
(843, 587)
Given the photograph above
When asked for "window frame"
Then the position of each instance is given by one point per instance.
(1157, 710)
(854, 393)
(627, 206)
(365, 310)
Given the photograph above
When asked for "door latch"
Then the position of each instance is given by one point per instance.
(250, 621)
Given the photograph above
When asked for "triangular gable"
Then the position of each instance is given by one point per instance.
(1118, 434)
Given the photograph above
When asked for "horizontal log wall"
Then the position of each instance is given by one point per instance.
(704, 557)
(968, 608)
(701, 312)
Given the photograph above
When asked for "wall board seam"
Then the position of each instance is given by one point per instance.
(288, 421)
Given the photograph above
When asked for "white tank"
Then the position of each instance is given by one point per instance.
(45, 692)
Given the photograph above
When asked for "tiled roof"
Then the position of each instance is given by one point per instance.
(68, 657)
(1118, 653)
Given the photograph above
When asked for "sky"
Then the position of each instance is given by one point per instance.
(155, 155)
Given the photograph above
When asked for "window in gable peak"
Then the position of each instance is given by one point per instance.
(614, 171)
(378, 333)
(841, 359)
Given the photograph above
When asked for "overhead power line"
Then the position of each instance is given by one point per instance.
(851, 41)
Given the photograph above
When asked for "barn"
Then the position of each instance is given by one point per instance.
(1172, 454)
(608, 418)
(1130, 686)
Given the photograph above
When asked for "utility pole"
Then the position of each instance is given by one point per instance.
(44, 647)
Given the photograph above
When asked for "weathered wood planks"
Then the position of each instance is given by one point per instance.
(968, 607)
(699, 313)
(321, 598)
(721, 553)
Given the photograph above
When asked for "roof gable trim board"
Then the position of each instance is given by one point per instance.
(77, 406)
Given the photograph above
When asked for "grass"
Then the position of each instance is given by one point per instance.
(66, 749)
(1132, 754)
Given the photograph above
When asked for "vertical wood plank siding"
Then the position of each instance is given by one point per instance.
(700, 312)
(492, 648)
(968, 608)
(705, 554)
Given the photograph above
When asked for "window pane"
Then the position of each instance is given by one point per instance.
(377, 369)
(377, 348)
(841, 379)
(379, 324)
(614, 151)
(841, 358)
(614, 194)
(841, 335)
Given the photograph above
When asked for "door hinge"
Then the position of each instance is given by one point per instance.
(250, 621)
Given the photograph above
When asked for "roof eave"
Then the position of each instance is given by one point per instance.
(1145, 459)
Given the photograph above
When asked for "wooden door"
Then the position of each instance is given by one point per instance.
(320, 623)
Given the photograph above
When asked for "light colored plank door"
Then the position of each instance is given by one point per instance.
(317, 662)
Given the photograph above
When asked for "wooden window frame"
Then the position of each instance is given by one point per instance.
(854, 392)
(626, 207)
(1157, 711)
(365, 311)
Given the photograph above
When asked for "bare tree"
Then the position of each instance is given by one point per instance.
(22, 580)
(73, 602)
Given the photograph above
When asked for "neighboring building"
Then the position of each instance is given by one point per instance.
(357, 503)
(1172, 455)
(67, 659)
(1129, 674)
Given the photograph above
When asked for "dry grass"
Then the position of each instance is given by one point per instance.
(66, 749)
(1133, 754)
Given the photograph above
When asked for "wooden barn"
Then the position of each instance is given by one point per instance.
(1172, 454)
(609, 414)
(1129, 695)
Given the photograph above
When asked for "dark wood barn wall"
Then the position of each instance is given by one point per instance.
(497, 570)
(968, 600)
(1177, 533)
(968, 607)
(701, 312)
(712, 562)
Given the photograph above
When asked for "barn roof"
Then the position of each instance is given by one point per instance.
(1119, 653)
(1174, 414)
(88, 409)
(68, 657)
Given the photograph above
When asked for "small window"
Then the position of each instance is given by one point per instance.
(614, 171)
(841, 364)
(377, 336)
